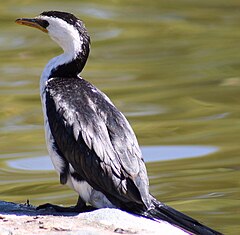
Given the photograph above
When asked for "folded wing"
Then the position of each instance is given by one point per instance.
(97, 140)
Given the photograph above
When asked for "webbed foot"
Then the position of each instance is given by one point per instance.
(56, 208)
(80, 207)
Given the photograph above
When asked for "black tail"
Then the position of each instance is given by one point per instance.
(161, 211)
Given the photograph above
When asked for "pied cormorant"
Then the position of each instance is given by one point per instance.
(91, 144)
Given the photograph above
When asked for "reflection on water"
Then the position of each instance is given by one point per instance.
(150, 153)
(171, 67)
(163, 153)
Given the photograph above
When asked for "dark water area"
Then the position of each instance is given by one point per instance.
(172, 67)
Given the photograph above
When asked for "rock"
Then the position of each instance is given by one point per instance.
(25, 219)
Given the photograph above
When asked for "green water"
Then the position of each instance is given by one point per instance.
(172, 67)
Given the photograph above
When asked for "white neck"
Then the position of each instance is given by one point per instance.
(52, 64)
(68, 38)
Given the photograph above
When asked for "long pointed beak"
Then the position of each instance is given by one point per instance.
(35, 23)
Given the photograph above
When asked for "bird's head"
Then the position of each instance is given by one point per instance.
(64, 28)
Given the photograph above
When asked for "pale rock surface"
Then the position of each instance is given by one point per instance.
(24, 219)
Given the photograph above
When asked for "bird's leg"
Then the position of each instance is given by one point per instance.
(80, 207)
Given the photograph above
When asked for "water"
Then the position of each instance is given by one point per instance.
(150, 153)
(172, 67)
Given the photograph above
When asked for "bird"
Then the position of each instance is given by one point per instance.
(90, 142)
